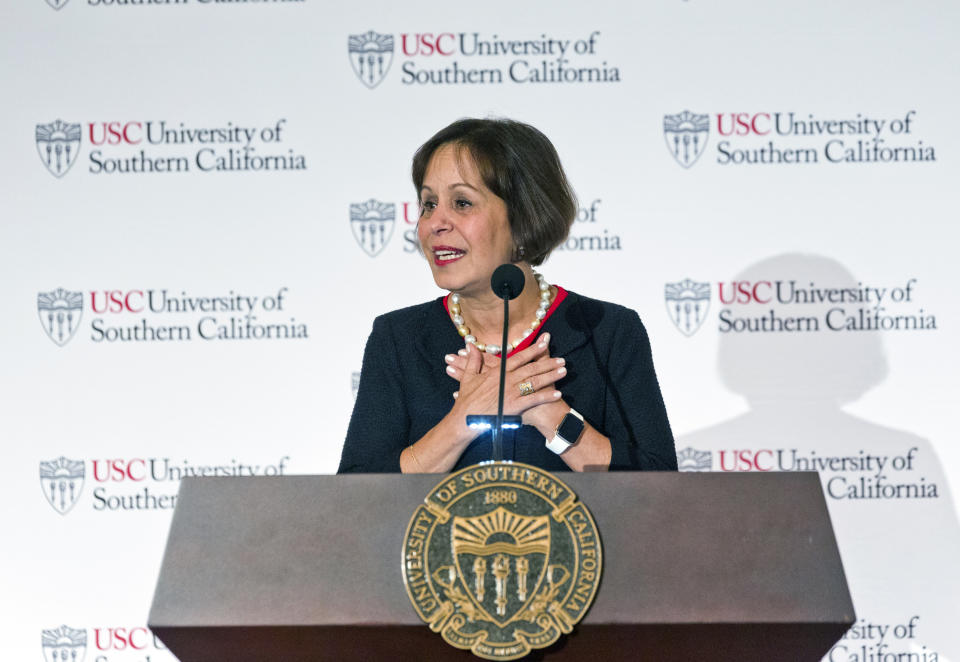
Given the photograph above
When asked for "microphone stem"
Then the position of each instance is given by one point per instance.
(498, 430)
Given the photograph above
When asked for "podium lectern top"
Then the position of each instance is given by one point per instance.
(730, 566)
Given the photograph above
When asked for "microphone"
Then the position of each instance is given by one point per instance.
(507, 283)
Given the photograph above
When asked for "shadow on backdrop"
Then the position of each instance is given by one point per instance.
(900, 552)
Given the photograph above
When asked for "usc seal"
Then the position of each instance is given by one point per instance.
(501, 559)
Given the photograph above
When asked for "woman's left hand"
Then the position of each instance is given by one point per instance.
(540, 415)
(592, 452)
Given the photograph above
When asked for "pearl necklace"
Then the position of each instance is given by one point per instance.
(546, 300)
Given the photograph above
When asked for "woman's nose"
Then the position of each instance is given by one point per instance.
(438, 221)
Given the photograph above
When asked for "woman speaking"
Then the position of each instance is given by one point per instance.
(578, 370)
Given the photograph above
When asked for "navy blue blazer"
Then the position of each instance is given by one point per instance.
(405, 389)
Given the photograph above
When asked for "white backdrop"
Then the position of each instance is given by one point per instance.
(189, 292)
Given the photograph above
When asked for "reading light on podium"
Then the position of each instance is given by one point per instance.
(482, 423)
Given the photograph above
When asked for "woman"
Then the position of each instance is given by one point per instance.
(579, 371)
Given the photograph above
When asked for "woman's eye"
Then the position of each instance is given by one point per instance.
(462, 204)
(427, 205)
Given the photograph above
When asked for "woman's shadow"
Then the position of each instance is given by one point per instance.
(900, 554)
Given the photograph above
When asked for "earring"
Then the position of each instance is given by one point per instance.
(520, 253)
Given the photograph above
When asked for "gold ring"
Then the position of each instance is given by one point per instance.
(526, 388)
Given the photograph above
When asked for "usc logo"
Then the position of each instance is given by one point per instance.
(746, 460)
(743, 291)
(743, 124)
(119, 639)
(117, 301)
(115, 133)
(426, 43)
(118, 470)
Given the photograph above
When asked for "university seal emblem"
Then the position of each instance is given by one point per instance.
(501, 558)
(64, 644)
(58, 144)
(60, 311)
(691, 459)
(62, 482)
(371, 54)
(686, 134)
(372, 224)
(687, 304)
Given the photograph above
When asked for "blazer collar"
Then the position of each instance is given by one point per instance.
(436, 336)
(567, 326)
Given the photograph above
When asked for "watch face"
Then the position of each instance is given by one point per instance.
(570, 429)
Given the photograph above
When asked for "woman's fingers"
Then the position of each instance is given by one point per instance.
(531, 353)
(474, 359)
(540, 375)
(540, 367)
(539, 397)
(478, 392)
(456, 365)
(460, 362)
(533, 360)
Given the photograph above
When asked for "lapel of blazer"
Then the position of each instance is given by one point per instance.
(568, 326)
(435, 335)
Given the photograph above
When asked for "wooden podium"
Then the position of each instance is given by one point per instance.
(698, 566)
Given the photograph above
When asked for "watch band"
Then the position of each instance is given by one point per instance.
(559, 443)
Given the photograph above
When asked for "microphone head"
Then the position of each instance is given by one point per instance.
(507, 281)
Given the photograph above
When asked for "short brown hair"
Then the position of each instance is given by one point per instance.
(521, 166)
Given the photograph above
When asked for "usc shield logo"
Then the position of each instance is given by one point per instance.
(60, 311)
(58, 143)
(64, 644)
(501, 559)
(371, 55)
(62, 482)
(686, 134)
(514, 563)
(372, 224)
(687, 304)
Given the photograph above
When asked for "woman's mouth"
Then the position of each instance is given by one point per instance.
(446, 254)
